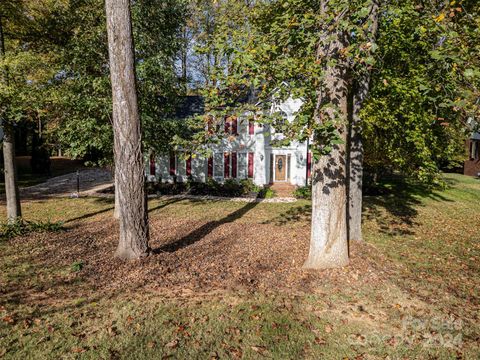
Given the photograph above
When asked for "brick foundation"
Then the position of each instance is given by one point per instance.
(472, 165)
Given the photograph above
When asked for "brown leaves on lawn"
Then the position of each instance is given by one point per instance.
(190, 256)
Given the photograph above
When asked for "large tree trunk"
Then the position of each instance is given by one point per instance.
(116, 210)
(14, 210)
(129, 169)
(360, 92)
(328, 243)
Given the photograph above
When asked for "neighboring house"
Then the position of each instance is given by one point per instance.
(245, 152)
(472, 165)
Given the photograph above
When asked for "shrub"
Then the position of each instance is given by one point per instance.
(304, 192)
(266, 193)
(230, 188)
(22, 227)
(249, 186)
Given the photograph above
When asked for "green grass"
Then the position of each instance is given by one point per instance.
(427, 308)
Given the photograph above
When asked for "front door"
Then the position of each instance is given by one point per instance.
(280, 168)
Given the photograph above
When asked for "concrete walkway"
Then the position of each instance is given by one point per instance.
(95, 182)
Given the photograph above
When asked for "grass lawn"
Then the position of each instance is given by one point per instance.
(226, 282)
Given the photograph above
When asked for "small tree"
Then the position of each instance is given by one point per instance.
(14, 210)
(129, 167)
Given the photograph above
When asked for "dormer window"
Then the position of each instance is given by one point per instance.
(281, 119)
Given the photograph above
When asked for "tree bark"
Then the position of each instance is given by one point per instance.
(328, 243)
(116, 209)
(14, 210)
(356, 152)
(129, 168)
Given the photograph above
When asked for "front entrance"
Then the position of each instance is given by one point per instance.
(280, 168)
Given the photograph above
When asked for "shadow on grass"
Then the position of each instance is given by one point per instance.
(110, 208)
(198, 234)
(392, 204)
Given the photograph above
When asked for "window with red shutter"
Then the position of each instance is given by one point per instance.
(234, 165)
(152, 164)
(251, 127)
(227, 125)
(189, 166)
(250, 164)
(235, 126)
(226, 167)
(172, 164)
(210, 167)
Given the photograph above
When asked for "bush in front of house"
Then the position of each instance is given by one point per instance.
(266, 193)
(230, 188)
(304, 192)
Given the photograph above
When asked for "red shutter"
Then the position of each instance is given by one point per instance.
(152, 164)
(210, 125)
(235, 126)
(309, 165)
(227, 125)
(226, 168)
(172, 164)
(189, 166)
(234, 165)
(210, 166)
(251, 127)
(250, 164)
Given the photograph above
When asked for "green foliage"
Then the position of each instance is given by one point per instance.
(77, 266)
(22, 227)
(229, 188)
(266, 193)
(58, 73)
(249, 186)
(415, 119)
(425, 68)
(303, 192)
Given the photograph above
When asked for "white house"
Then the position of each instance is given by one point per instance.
(245, 152)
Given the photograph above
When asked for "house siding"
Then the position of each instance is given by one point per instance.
(248, 140)
(472, 164)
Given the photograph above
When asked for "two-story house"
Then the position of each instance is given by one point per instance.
(245, 152)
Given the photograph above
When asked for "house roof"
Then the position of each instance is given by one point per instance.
(188, 106)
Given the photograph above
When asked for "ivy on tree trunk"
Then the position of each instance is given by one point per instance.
(328, 243)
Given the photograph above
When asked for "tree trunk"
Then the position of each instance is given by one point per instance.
(116, 210)
(360, 92)
(184, 56)
(14, 210)
(328, 243)
(129, 169)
